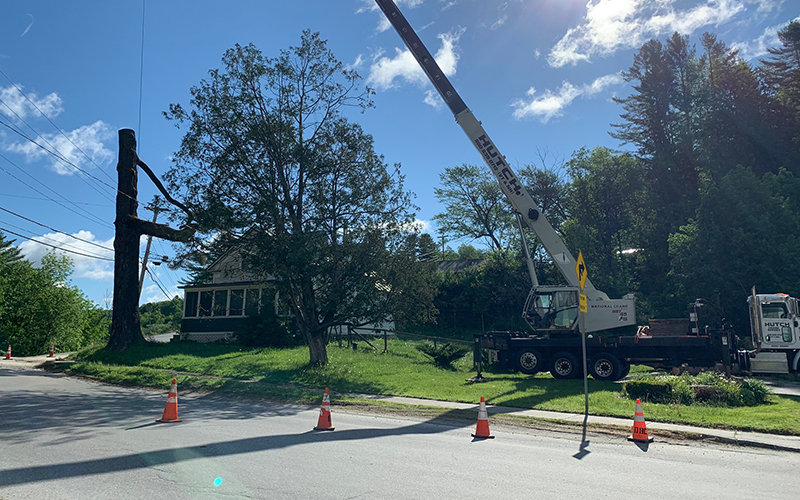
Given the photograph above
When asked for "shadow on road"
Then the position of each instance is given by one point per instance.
(91, 409)
(132, 461)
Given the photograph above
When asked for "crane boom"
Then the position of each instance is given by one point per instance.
(513, 189)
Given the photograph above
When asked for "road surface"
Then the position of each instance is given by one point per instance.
(69, 438)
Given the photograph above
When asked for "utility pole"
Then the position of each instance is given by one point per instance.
(156, 207)
(125, 326)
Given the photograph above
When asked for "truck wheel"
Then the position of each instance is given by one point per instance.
(564, 365)
(626, 369)
(605, 366)
(529, 361)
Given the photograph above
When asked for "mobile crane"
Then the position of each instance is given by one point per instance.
(552, 310)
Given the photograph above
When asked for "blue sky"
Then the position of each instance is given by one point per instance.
(539, 74)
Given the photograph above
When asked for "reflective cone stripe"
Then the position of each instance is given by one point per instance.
(171, 408)
(324, 422)
(639, 425)
(52, 351)
(8, 353)
(482, 430)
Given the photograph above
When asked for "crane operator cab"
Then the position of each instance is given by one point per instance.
(552, 308)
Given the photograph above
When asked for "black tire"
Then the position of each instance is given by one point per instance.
(604, 366)
(529, 361)
(626, 369)
(563, 365)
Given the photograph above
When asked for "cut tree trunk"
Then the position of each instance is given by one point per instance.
(125, 327)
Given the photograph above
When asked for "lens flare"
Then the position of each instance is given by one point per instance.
(218, 481)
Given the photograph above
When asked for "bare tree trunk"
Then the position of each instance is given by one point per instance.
(125, 327)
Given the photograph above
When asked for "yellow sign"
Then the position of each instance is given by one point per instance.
(584, 308)
(580, 271)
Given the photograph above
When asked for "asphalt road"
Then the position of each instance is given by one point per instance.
(68, 438)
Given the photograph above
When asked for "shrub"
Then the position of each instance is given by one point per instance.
(707, 388)
(444, 354)
(653, 391)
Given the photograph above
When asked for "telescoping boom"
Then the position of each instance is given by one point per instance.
(603, 313)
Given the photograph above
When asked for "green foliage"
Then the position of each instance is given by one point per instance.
(161, 317)
(443, 355)
(707, 388)
(475, 207)
(38, 306)
(267, 330)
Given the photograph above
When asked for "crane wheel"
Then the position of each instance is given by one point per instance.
(605, 366)
(564, 365)
(529, 361)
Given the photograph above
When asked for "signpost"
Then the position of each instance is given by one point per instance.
(580, 271)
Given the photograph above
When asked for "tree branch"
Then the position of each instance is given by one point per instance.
(160, 187)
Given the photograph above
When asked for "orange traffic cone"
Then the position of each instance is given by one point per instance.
(52, 350)
(482, 431)
(324, 422)
(639, 427)
(8, 354)
(171, 409)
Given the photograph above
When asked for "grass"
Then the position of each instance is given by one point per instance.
(284, 374)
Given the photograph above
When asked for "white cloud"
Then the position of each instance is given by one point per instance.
(758, 47)
(89, 138)
(386, 73)
(612, 25)
(357, 63)
(383, 23)
(17, 107)
(85, 267)
(549, 104)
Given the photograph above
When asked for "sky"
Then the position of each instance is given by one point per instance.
(540, 75)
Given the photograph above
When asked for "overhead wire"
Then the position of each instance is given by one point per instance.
(54, 152)
(57, 248)
(59, 244)
(88, 216)
(56, 230)
(53, 124)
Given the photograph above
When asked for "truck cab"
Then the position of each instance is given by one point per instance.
(775, 329)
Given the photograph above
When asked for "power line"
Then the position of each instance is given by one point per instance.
(48, 199)
(55, 153)
(96, 220)
(53, 124)
(62, 244)
(57, 248)
(56, 230)
(141, 77)
(153, 278)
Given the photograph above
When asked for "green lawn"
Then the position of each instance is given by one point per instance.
(403, 371)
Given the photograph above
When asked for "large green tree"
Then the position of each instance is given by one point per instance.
(474, 207)
(271, 161)
(40, 307)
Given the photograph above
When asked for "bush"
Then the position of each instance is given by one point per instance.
(444, 354)
(267, 330)
(652, 391)
(707, 388)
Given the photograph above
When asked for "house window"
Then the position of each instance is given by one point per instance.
(237, 303)
(206, 299)
(251, 302)
(220, 302)
(191, 305)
